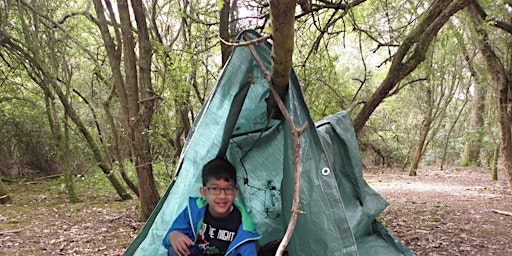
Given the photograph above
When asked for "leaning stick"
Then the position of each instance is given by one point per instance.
(247, 43)
(10, 231)
(296, 144)
(503, 212)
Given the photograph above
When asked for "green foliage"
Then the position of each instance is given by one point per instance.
(24, 137)
(341, 57)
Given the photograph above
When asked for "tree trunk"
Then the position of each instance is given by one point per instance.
(419, 150)
(93, 145)
(141, 110)
(509, 86)
(471, 156)
(134, 90)
(499, 77)
(68, 177)
(410, 54)
(118, 158)
(234, 15)
(224, 30)
(182, 98)
(450, 131)
(113, 49)
(425, 128)
(282, 16)
(494, 163)
(183, 121)
(61, 138)
(65, 159)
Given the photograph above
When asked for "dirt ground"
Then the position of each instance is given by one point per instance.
(457, 211)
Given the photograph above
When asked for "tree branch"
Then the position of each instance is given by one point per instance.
(493, 22)
(247, 43)
(297, 156)
(410, 54)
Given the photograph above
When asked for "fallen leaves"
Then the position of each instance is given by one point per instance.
(450, 212)
(53, 227)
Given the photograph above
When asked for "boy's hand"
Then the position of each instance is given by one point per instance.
(180, 243)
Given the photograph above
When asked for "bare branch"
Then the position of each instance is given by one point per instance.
(503, 212)
(247, 43)
(296, 143)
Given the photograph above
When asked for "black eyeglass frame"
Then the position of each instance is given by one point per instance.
(216, 190)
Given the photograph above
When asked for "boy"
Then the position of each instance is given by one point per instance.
(215, 223)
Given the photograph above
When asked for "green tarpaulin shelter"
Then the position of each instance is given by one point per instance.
(340, 208)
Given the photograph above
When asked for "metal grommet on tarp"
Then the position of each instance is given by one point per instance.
(326, 171)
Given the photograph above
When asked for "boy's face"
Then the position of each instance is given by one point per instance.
(220, 195)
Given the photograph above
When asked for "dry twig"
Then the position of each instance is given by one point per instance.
(296, 143)
(10, 231)
(503, 212)
(247, 43)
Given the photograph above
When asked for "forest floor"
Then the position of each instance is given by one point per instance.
(457, 211)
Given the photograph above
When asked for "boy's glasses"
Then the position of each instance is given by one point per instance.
(217, 190)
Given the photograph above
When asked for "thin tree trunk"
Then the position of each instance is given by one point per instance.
(143, 112)
(234, 15)
(182, 101)
(494, 163)
(134, 90)
(509, 86)
(62, 144)
(448, 135)
(499, 77)
(117, 156)
(471, 156)
(64, 152)
(62, 139)
(116, 151)
(93, 145)
(420, 145)
(183, 121)
(224, 30)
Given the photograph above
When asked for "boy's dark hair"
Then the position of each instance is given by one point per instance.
(219, 168)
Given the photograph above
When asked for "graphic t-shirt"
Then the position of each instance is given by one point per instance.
(217, 234)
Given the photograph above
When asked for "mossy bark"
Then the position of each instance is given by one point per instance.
(498, 74)
(282, 16)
